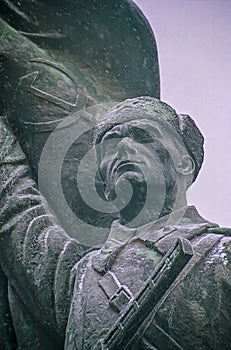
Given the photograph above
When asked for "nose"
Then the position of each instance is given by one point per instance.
(126, 145)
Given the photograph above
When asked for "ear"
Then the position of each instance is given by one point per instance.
(186, 166)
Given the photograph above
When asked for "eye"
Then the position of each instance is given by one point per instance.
(141, 135)
(113, 137)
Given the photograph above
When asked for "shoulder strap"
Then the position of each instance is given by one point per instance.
(201, 248)
(140, 312)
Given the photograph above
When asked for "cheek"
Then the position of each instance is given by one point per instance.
(160, 166)
(109, 146)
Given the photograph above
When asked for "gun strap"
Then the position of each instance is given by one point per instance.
(201, 249)
(116, 337)
(162, 340)
(118, 294)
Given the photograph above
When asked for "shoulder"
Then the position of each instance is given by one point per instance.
(213, 256)
(222, 249)
(221, 253)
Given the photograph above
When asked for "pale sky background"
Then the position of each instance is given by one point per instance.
(194, 46)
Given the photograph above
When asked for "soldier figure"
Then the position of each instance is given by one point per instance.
(142, 289)
(161, 280)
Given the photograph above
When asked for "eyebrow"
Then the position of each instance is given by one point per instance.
(113, 132)
(149, 129)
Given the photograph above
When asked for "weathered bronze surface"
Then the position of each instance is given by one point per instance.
(160, 278)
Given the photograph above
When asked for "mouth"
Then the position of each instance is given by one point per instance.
(129, 170)
(118, 170)
(122, 166)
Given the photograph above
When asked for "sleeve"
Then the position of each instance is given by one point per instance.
(36, 254)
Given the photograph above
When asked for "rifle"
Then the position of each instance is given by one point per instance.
(132, 322)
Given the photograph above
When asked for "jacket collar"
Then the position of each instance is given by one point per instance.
(160, 235)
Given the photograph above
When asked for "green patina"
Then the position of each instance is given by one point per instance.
(149, 254)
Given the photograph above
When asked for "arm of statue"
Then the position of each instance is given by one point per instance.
(36, 254)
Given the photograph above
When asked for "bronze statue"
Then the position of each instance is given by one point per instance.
(161, 280)
(59, 57)
(174, 270)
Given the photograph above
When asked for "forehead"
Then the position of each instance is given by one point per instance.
(157, 126)
(156, 123)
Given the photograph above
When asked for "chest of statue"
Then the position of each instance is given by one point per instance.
(113, 280)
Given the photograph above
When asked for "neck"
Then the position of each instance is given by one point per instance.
(152, 211)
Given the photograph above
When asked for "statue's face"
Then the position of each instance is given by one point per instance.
(146, 154)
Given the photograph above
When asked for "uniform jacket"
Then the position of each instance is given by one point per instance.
(61, 296)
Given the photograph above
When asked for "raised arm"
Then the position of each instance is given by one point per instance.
(36, 254)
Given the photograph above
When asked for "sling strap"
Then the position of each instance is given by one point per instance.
(139, 312)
